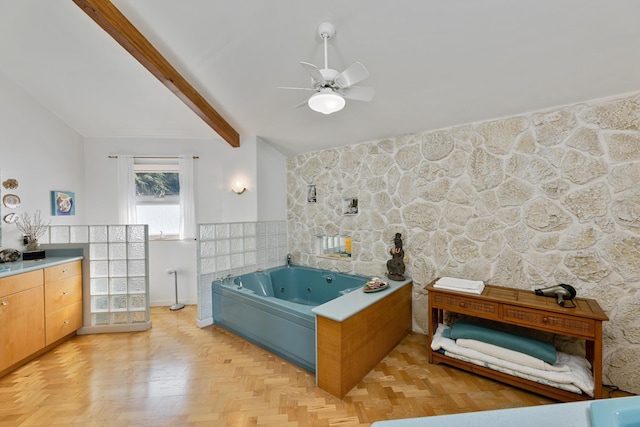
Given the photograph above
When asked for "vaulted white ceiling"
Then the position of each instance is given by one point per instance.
(433, 64)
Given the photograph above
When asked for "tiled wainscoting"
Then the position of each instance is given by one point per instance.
(236, 248)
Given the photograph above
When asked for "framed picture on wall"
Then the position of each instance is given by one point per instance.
(63, 203)
(350, 206)
(312, 196)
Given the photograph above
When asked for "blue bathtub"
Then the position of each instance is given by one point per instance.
(272, 308)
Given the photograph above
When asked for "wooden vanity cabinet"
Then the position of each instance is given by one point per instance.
(62, 300)
(21, 317)
(38, 309)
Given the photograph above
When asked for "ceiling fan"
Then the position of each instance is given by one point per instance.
(330, 86)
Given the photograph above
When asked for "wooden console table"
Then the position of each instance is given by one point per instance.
(523, 308)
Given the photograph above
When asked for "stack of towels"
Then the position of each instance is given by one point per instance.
(462, 285)
(518, 355)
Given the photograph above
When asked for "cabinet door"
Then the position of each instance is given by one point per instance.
(22, 325)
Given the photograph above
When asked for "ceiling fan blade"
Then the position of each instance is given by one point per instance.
(358, 93)
(352, 75)
(293, 88)
(302, 104)
(314, 72)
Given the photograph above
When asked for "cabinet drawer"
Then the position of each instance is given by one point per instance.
(20, 282)
(63, 322)
(548, 321)
(460, 304)
(61, 293)
(62, 271)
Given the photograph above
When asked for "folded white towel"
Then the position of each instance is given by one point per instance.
(510, 355)
(477, 291)
(453, 282)
(579, 374)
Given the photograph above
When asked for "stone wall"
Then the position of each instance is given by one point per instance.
(528, 201)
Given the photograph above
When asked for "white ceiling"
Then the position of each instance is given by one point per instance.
(433, 63)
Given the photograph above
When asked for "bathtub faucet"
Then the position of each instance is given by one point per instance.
(288, 260)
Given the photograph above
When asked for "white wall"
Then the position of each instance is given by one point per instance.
(272, 182)
(172, 255)
(218, 166)
(43, 154)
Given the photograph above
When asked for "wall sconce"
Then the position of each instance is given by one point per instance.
(238, 187)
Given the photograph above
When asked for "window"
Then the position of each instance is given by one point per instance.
(158, 198)
(158, 191)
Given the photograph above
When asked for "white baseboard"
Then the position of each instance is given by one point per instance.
(107, 329)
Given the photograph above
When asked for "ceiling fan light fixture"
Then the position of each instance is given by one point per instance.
(326, 102)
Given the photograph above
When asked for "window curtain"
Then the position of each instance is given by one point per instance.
(187, 202)
(126, 190)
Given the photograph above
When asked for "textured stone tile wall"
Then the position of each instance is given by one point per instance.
(528, 201)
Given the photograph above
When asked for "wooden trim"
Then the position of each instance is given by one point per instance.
(105, 14)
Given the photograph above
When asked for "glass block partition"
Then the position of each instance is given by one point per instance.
(117, 257)
(233, 249)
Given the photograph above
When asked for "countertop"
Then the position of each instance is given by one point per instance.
(18, 267)
(573, 414)
(347, 305)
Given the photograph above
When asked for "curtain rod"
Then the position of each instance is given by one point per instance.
(153, 157)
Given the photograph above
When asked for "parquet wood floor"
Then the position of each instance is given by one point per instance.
(177, 374)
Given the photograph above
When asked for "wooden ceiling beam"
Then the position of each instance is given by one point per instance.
(105, 14)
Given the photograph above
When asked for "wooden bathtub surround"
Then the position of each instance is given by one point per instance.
(523, 308)
(348, 350)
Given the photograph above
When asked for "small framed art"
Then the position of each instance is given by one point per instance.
(350, 206)
(63, 203)
(312, 196)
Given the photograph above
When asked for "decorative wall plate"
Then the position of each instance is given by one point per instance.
(11, 201)
(10, 218)
(10, 184)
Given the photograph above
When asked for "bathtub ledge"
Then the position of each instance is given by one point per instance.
(351, 303)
